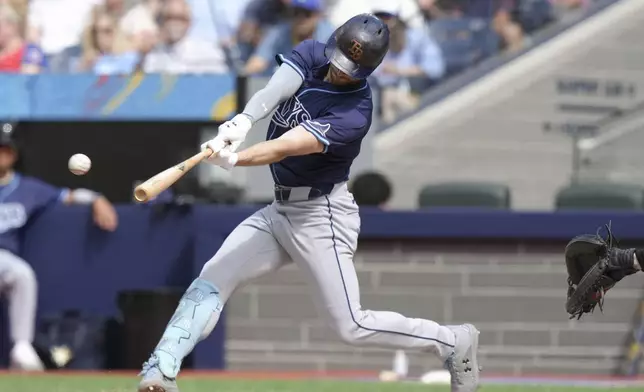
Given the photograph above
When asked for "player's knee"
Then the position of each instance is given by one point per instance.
(350, 333)
(23, 275)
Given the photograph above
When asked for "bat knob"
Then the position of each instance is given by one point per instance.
(140, 195)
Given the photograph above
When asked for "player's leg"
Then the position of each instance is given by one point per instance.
(18, 282)
(321, 237)
(248, 252)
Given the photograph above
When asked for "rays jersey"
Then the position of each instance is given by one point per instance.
(20, 200)
(338, 116)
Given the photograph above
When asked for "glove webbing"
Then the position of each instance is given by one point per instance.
(595, 290)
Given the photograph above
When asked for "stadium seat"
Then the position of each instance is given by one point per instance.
(600, 195)
(465, 194)
(464, 41)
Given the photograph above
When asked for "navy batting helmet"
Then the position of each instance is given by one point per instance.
(358, 46)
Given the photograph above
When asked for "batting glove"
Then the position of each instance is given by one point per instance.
(224, 158)
(232, 133)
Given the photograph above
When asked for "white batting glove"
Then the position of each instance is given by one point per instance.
(224, 158)
(232, 133)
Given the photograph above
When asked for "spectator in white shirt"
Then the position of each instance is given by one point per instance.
(59, 24)
(178, 53)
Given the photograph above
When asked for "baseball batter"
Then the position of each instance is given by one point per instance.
(21, 199)
(324, 109)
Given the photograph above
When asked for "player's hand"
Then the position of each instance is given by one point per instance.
(232, 133)
(104, 214)
(225, 158)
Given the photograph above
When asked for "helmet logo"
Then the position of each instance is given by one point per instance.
(355, 51)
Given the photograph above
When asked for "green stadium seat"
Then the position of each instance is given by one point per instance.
(600, 195)
(465, 194)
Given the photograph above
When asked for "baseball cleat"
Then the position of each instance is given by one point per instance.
(463, 364)
(155, 381)
(24, 357)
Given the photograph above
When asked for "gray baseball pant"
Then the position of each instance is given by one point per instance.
(320, 236)
(18, 283)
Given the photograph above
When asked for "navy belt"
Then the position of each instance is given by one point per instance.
(284, 194)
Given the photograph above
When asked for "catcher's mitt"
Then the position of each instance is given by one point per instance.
(594, 266)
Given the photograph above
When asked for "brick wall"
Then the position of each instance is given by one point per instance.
(514, 293)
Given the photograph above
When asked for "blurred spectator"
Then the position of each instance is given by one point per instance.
(99, 54)
(339, 11)
(57, 25)
(141, 17)
(218, 22)
(534, 15)
(116, 8)
(259, 17)
(306, 22)
(20, 7)
(15, 54)
(500, 12)
(414, 63)
(179, 53)
(371, 189)
(139, 27)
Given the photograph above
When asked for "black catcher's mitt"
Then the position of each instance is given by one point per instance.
(594, 266)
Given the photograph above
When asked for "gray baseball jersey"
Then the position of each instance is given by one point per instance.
(314, 221)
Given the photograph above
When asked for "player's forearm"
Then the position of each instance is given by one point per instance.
(283, 84)
(263, 153)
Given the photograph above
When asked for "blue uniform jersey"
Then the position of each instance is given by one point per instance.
(338, 116)
(20, 200)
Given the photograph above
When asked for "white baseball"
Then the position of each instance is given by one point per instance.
(79, 164)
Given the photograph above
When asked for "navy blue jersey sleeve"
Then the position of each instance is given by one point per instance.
(45, 193)
(339, 129)
(304, 58)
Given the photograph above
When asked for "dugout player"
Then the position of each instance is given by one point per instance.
(22, 197)
(324, 109)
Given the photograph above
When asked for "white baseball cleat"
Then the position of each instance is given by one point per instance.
(23, 356)
(463, 364)
(155, 381)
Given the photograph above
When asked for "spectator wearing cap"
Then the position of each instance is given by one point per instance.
(15, 54)
(306, 22)
(413, 64)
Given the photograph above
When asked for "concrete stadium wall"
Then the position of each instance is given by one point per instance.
(514, 292)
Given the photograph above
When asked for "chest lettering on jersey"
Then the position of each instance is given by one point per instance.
(12, 215)
(290, 114)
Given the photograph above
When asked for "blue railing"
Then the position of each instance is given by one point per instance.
(134, 97)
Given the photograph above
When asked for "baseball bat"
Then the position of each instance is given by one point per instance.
(164, 180)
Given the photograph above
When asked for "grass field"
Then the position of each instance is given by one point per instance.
(99, 383)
